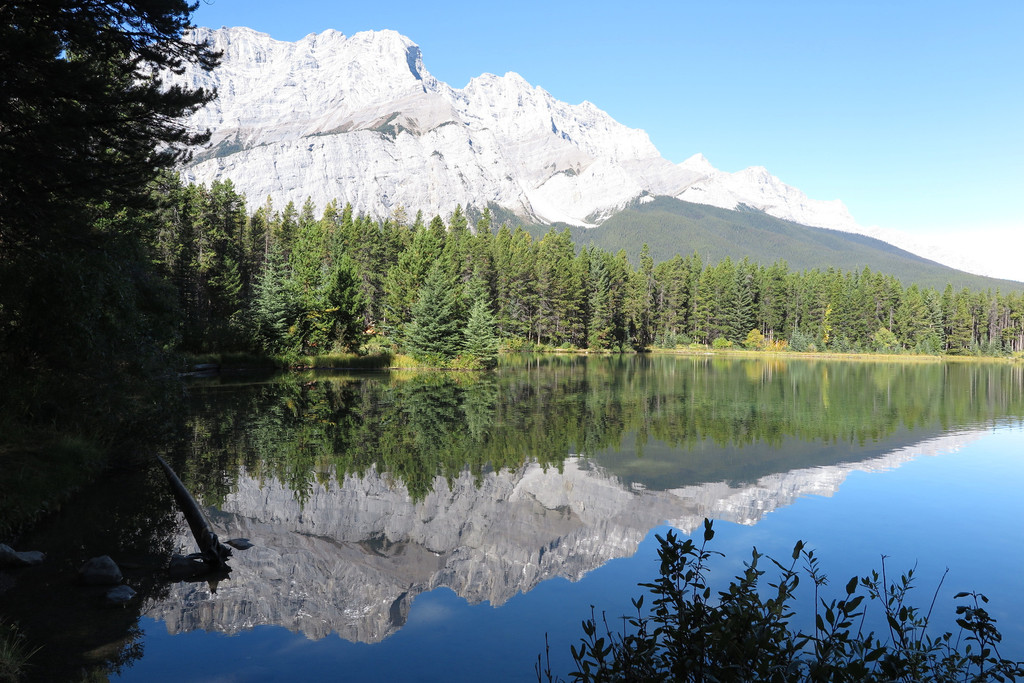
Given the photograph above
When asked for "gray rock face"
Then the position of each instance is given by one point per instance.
(354, 556)
(359, 119)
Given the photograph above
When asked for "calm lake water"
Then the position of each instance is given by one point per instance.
(435, 526)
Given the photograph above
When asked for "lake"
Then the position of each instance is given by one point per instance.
(423, 526)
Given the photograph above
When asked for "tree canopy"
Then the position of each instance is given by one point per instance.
(85, 114)
(87, 120)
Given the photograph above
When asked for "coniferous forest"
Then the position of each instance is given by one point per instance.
(110, 266)
(296, 281)
(112, 269)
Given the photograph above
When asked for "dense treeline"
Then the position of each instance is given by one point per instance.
(290, 281)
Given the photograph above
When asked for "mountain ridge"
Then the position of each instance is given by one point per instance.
(360, 119)
(666, 224)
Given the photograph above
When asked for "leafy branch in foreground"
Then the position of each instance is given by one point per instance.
(745, 633)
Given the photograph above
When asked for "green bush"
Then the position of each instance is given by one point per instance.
(517, 345)
(798, 341)
(745, 632)
(755, 341)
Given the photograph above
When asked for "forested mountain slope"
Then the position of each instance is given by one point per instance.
(671, 226)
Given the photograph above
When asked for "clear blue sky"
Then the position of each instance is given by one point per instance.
(910, 112)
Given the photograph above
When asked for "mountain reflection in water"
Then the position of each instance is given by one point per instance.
(350, 555)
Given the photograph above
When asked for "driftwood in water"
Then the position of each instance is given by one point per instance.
(214, 552)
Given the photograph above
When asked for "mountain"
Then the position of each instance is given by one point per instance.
(669, 226)
(360, 119)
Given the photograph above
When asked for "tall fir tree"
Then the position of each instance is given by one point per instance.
(481, 337)
(433, 334)
(407, 276)
(642, 301)
(274, 308)
(601, 331)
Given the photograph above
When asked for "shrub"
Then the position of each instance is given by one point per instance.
(745, 634)
(885, 341)
(798, 341)
(755, 341)
(666, 340)
(516, 345)
(721, 343)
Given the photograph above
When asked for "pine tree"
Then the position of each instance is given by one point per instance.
(456, 247)
(516, 286)
(370, 255)
(481, 338)
(703, 307)
(275, 307)
(772, 303)
(960, 338)
(344, 304)
(557, 288)
(619, 272)
(601, 331)
(403, 281)
(433, 334)
(723, 298)
(86, 119)
(670, 300)
(641, 301)
(740, 309)
(583, 286)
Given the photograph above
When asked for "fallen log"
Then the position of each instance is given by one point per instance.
(213, 551)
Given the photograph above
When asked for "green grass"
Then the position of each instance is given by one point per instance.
(348, 361)
(14, 653)
(326, 361)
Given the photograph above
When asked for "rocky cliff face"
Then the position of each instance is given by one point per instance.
(359, 119)
(351, 559)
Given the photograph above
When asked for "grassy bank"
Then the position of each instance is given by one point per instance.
(232, 362)
(837, 355)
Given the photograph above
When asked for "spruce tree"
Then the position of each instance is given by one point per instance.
(433, 335)
(275, 307)
(960, 338)
(600, 333)
(641, 301)
(343, 305)
(481, 338)
(401, 285)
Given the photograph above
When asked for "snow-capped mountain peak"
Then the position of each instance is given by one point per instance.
(361, 120)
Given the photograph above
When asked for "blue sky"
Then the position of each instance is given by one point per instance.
(910, 112)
